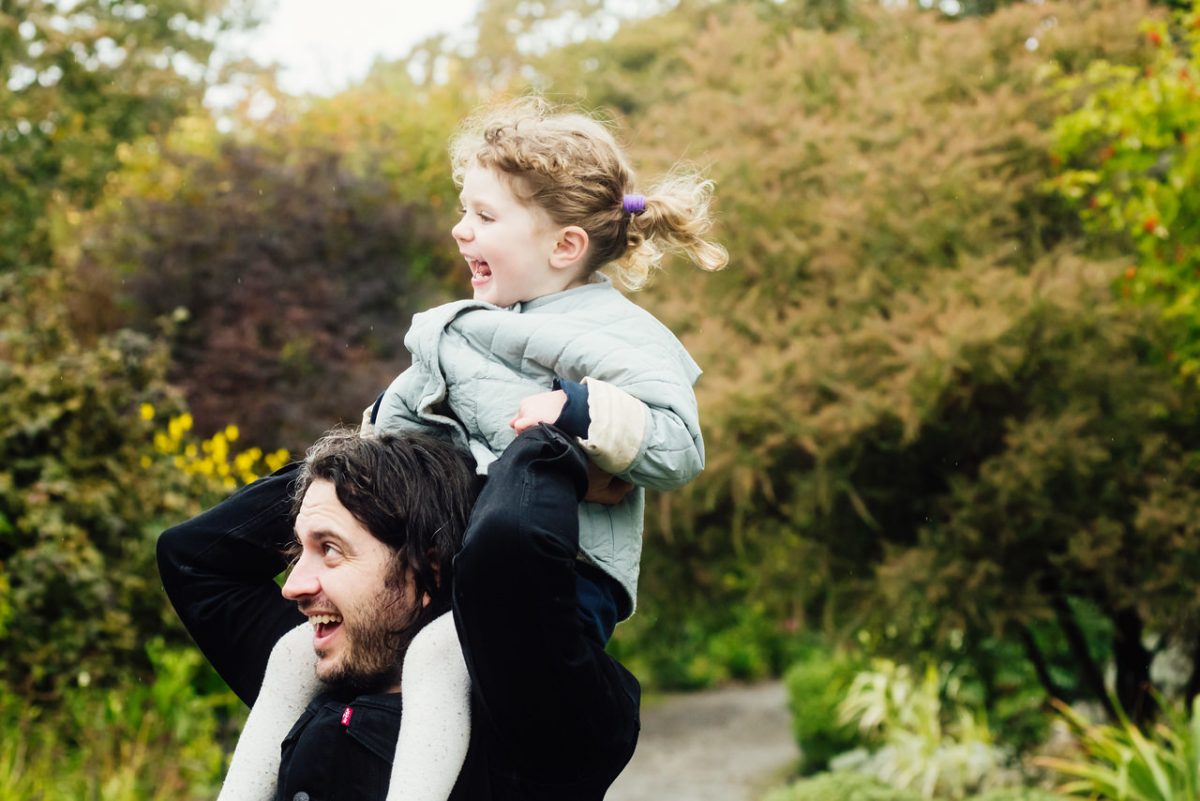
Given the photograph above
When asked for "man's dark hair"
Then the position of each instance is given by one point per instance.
(413, 492)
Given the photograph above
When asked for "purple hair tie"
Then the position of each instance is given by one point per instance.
(633, 204)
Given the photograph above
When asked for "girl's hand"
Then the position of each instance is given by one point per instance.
(545, 407)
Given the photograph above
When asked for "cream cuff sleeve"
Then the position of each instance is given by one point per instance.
(618, 426)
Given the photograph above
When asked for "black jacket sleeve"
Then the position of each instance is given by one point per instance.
(218, 569)
(566, 712)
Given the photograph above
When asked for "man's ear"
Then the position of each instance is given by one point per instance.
(432, 555)
(570, 249)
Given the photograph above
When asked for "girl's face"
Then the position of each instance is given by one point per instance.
(508, 245)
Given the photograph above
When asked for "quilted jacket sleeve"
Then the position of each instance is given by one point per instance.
(397, 409)
(653, 446)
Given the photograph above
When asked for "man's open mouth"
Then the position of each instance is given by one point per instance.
(325, 625)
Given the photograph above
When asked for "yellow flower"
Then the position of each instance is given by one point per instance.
(231, 433)
(146, 411)
(145, 461)
(277, 460)
(219, 447)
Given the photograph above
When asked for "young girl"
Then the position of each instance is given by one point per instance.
(548, 199)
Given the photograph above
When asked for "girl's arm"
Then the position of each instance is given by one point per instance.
(651, 446)
(394, 408)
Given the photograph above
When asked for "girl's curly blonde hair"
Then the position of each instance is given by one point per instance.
(569, 165)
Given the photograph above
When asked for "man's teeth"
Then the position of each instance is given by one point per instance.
(317, 620)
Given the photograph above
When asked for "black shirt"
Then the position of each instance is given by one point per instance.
(340, 750)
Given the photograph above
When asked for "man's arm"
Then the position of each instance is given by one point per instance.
(565, 710)
(218, 569)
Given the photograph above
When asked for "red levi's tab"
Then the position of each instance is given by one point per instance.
(347, 715)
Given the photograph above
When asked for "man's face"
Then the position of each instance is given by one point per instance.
(340, 583)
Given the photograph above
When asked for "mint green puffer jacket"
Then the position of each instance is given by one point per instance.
(473, 363)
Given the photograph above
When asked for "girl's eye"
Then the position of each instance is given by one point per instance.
(485, 217)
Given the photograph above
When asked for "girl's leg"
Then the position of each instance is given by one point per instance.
(290, 683)
(435, 728)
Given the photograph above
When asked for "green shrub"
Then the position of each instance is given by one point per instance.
(925, 738)
(88, 479)
(137, 741)
(1017, 794)
(1124, 764)
(816, 685)
(1131, 156)
(840, 787)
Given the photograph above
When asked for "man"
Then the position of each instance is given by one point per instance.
(377, 528)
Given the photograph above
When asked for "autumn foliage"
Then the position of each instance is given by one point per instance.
(945, 399)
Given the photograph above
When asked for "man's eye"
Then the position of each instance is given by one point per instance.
(329, 549)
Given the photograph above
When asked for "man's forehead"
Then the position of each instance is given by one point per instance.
(322, 511)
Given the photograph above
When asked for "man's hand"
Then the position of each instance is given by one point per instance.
(545, 407)
(604, 487)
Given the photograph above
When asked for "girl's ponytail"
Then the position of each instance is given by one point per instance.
(674, 219)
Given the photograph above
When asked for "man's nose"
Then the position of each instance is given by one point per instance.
(302, 582)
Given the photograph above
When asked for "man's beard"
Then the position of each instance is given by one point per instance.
(373, 653)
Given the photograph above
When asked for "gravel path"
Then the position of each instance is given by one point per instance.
(729, 744)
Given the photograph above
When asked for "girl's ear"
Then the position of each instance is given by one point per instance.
(570, 249)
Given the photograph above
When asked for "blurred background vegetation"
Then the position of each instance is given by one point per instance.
(951, 388)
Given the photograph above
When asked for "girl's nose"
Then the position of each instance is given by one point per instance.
(461, 231)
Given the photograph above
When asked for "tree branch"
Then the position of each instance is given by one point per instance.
(1038, 659)
(1093, 677)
